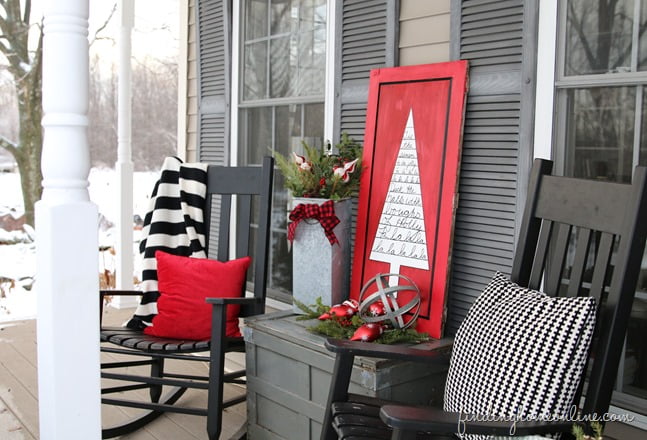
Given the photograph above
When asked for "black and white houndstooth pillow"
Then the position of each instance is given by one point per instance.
(519, 352)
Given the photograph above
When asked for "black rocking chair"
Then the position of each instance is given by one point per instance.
(252, 188)
(566, 224)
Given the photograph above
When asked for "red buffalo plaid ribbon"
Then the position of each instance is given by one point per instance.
(325, 213)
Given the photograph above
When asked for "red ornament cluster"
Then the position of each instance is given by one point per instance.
(345, 311)
(342, 312)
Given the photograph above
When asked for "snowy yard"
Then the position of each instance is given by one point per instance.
(18, 261)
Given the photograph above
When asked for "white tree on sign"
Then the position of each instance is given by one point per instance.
(400, 239)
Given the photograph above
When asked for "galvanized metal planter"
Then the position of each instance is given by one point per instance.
(319, 268)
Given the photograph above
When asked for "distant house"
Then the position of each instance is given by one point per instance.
(547, 79)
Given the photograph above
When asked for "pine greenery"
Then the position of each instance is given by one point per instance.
(319, 180)
(344, 329)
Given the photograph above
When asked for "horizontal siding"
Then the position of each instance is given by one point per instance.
(412, 9)
(424, 32)
(428, 53)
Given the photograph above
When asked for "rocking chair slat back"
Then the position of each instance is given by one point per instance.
(252, 188)
(223, 227)
(577, 238)
(603, 257)
(555, 266)
(243, 217)
(568, 219)
(583, 245)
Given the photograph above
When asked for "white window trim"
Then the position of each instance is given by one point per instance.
(329, 93)
(329, 87)
(235, 84)
(545, 91)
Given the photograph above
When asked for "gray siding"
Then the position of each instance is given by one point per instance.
(499, 40)
(366, 38)
(424, 31)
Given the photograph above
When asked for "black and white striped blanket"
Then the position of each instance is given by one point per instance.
(174, 223)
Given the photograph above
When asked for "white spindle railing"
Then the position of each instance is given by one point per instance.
(124, 164)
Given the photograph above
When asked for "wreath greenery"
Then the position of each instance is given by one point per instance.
(344, 329)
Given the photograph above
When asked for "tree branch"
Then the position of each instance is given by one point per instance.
(8, 145)
(27, 13)
(104, 25)
(580, 32)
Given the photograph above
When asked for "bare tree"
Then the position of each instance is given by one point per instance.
(24, 66)
(154, 113)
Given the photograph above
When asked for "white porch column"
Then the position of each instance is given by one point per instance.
(124, 164)
(67, 241)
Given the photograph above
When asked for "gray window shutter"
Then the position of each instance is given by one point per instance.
(214, 71)
(366, 37)
(213, 20)
(499, 40)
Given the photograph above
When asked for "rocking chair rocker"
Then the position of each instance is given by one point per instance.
(252, 188)
(578, 239)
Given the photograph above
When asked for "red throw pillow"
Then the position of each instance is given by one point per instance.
(184, 283)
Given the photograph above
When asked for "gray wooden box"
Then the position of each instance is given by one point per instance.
(288, 377)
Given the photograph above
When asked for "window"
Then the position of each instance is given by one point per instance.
(601, 77)
(282, 45)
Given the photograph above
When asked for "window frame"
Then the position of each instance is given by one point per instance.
(237, 103)
(236, 72)
(563, 82)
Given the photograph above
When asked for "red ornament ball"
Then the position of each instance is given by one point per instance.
(368, 332)
(345, 310)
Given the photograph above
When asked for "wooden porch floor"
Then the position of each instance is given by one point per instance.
(19, 392)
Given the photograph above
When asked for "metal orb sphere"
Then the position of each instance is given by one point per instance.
(378, 291)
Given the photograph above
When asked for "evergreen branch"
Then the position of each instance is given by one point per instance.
(310, 313)
(345, 328)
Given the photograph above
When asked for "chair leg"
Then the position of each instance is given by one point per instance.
(339, 392)
(157, 370)
(216, 371)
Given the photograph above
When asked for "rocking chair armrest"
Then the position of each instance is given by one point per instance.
(238, 300)
(120, 292)
(436, 351)
(437, 421)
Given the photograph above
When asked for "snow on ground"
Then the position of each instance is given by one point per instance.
(18, 261)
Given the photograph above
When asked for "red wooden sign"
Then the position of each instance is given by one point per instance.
(409, 183)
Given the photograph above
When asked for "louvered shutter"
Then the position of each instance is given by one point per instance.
(214, 71)
(499, 40)
(366, 38)
(213, 23)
